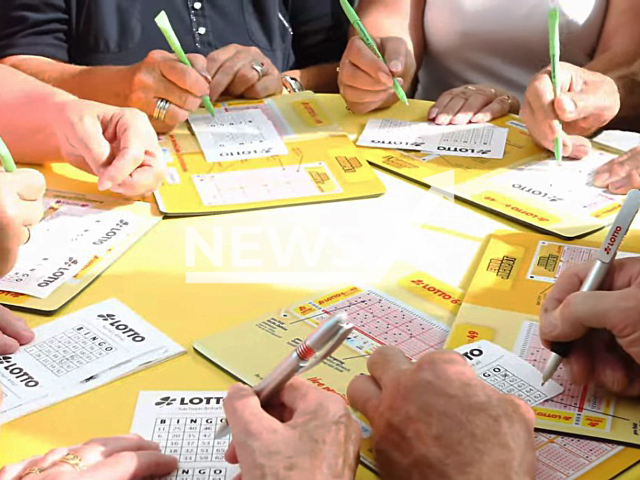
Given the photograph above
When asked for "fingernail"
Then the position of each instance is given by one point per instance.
(400, 81)
(395, 66)
(433, 113)
(106, 185)
(477, 118)
(569, 104)
(442, 119)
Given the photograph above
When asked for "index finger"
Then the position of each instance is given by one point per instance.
(135, 138)
(187, 78)
(131, 465)
(385, 363)
(364, 395)
(244, 412)
(359, 54)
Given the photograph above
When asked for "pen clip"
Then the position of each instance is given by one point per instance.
(332, 346)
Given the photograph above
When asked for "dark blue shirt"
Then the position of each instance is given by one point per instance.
(292, 33)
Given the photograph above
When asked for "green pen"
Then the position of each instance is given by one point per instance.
(162, 20)
(5, 157)
(368, 41)
(554, 53)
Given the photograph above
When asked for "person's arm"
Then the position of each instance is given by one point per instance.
(47, 124)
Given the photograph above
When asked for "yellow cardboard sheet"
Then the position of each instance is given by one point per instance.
(400, 313)
(492, 184)
(502, 304)
(148, 218)
(322, 165)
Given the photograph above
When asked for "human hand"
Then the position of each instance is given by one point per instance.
(161, 76)
(436, 419)
(234, 70)
(21, 207)
(126, 457)
(605, 325)
(116, 144)
(13, 332)
(620, 174)
(472, 103)
(587, 101)
(311, 435)
(365, 82)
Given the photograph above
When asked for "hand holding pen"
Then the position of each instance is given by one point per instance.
(592, 315)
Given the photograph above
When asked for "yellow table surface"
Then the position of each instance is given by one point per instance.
(150, 278)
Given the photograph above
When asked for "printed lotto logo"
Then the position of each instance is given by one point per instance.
(502, 267)
(612, 240)
(165, 402)
(334, 243)
(17, 372)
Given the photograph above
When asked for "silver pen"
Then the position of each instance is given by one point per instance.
(604, 259)
(315, 349)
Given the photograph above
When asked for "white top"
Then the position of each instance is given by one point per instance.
(501, 42)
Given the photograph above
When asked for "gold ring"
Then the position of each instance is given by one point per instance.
(338, 69)
(471, 87)
(32, 471)
(74, 460)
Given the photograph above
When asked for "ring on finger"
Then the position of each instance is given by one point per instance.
(471, 87)
(162, 107)
(73, 460)
(259, 68)
(31, 471)
(28, 234)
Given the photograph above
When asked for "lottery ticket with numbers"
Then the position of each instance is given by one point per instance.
(185, 425)
(77, 353)
(508, 373)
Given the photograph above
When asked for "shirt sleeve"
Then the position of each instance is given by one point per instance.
(320, 30)
(35, 27)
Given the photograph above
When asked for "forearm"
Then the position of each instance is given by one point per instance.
(628, 83)
(395, 18)
(99, 84)
(318, 78)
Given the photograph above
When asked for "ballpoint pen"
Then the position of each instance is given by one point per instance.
(5, 157)
(368, 41)
(554, 54)
(315, 349)
(162, 20)
(597, 274)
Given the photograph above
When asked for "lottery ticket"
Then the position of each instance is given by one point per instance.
(552, 258)
(266, 184)
(76, 353)
(70, 235)
(508, 373)
(185, 425)
(485, 141)
(237, 135)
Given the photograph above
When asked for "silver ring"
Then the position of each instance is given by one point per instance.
(162, 107)
(259, 67)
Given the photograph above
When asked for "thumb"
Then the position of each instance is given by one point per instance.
(575, 146)
(394, 50)
(616, 311)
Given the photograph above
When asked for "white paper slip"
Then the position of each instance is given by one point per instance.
(266, 184)
(477, 140)
(79, 352)
(70, 235)
(185, 425)
(237, 135)
(508, 373)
